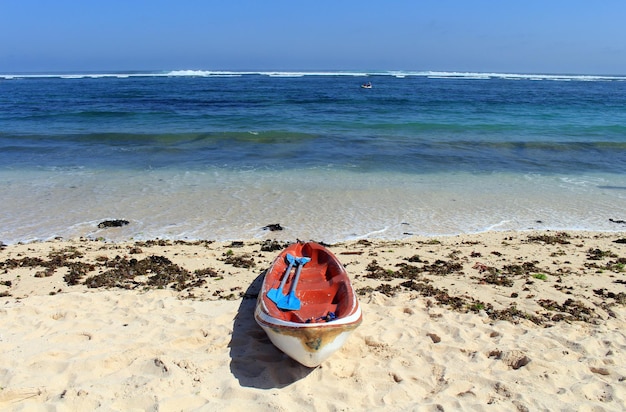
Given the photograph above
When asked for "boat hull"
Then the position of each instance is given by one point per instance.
(308, 335)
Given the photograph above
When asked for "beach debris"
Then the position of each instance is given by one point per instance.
(375, 271)
(414, 259)
(122, 272)
(442, 267)
(76, 271)
(558, 238)
(406, 271)
(515, 359)
(576, 309)
(618, 221)
(524, 269)
(273, 227)
(56, 259)
(597, 254)
(481, 267)
(112, 223)
(617, 297)
(412, 273)
(161, 365)
(387, 290)
(244, 261)
(152, 272)
(498, 279)
(617, 266)
(273, 245)
(600, 371)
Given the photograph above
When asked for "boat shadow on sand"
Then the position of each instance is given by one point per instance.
(255, 361)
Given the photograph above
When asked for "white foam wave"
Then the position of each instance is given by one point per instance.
(200, 73)
(518, 76)
(400, 74)
(74, 76)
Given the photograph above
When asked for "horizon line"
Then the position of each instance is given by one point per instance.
(312, 72)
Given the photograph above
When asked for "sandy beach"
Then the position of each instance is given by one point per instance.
(493, 321)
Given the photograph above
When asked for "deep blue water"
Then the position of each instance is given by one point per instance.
(412, 124)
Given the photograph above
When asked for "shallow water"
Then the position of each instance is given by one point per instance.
(320, 205)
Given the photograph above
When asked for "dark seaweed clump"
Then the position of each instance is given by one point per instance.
(560, 238)
(596, 255)
(76, 272)
(273, 245)
(575, 309)
(498, 279)
(120, 272)
(406, 271)
(618, 297)
(56, 259)
(469, 304)
(413, 278)
(244, 261)
(113, 223)
(152, 272)
(273, 227)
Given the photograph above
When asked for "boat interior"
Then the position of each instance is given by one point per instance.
(323, 289)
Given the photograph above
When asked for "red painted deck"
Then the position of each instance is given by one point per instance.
(324, 285)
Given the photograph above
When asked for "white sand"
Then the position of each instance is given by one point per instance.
(95, 349)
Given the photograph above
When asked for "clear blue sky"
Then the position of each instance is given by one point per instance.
(526, 36)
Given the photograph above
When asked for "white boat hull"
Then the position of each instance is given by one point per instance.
(308, 343)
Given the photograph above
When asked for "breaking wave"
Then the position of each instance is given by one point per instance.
(392, 73)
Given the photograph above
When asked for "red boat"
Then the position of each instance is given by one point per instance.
(310, 314)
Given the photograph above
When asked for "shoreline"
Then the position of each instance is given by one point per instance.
(326, 205)
(519, 319)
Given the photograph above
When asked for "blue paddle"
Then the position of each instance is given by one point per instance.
(276, 295)
(291, 301)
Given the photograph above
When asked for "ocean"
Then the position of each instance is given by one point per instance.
(188, 155)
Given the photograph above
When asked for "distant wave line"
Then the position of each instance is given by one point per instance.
(392, 73)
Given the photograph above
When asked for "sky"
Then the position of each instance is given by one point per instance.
(529, 36)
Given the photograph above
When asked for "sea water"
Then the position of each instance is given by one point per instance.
(221, 155)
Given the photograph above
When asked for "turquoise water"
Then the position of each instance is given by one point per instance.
(219, 155)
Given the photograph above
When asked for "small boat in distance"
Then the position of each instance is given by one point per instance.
(315, 318)
(367, 85)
